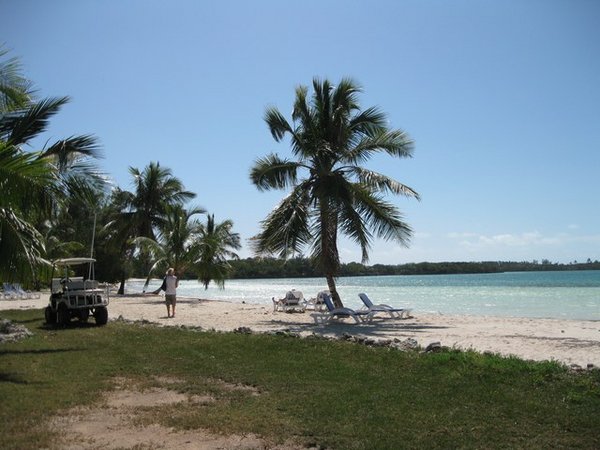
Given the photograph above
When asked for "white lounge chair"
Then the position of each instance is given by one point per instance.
(317, 303)
(23, 293)
(10, 292)
(334, 313)
(397, 313)
(293, 301)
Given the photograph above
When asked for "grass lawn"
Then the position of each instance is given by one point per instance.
(330, 394)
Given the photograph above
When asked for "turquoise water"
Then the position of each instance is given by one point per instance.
(560, 295)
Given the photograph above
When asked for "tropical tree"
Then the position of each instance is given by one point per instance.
(176, 244)
(143, 212)
(330, 191)
(34, 183)
(214, 248)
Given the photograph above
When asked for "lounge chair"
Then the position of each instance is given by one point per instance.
(293, 301)
(10, 292)
(23, 293)
(397, 313)
(317, 303)
(334, 313)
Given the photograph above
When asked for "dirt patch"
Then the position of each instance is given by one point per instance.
(111, 424)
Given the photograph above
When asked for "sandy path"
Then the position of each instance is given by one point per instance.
(567, 341)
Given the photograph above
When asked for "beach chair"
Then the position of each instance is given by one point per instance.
(334, 313)
(22, 292)
(9, 292)
(317, 303)
(293, 301)
(397, 313)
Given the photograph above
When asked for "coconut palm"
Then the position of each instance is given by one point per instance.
(143, 213)
(176, 241)
(330, 191)
(214, 248)
(34, 183)
(156, 190)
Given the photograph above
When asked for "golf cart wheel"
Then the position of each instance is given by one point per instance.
(84, 314)
(63, 317)
(101, 315)
(50, 316)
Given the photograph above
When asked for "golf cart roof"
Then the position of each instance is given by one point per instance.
(73, 261)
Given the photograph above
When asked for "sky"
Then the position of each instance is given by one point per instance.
(502, 99)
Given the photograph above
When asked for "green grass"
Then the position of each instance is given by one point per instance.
(331, 394)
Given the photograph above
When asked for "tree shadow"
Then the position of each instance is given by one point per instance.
(12, 378)
(40, 351)
(382, 328)
(70, 326)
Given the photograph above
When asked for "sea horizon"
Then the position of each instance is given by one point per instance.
(546, 294)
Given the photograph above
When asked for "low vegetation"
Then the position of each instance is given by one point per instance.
(302, 267)
(315, 392)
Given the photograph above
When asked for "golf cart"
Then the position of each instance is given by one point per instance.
(73, 296)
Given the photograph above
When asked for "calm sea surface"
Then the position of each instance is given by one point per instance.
(561, 295)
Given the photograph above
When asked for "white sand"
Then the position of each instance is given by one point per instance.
(567, 341)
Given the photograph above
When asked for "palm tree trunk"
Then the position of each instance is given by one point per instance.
(121, 290)
(337, 301)
(330, 257)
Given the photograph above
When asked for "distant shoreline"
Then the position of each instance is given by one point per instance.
(260, 268)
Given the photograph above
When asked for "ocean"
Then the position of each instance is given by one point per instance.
(558, 295)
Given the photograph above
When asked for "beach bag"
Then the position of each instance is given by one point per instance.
(163, 286)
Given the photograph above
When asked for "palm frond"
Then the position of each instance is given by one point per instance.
(286, 229)
(66, 151)
(272, 172)
(15, 89)
(21, 246)
(18, 127)
(277, 124)
(382, 217)
(383, 183)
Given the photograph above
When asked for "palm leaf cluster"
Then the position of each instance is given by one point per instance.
(152, 225)
(35, 184)
(330, 191)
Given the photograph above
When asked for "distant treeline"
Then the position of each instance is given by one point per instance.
(301, 267)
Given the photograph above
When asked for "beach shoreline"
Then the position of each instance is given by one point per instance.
(571, 342)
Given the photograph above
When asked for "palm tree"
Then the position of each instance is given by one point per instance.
(33, 183)
(156, 189)
(330, 191)
(214, 247)
(143, 212)
(176, 241)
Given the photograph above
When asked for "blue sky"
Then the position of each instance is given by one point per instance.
(502, 99)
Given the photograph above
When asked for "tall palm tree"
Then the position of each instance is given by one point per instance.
(330, 191)
(143, 212)
(214, 248)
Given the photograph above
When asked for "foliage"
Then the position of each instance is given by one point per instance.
(36, 185)
(319, 393)
(140, 214)
(215, 245)
(302, 267)
(330, 190)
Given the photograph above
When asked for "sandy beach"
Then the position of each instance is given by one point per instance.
(567, 341)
